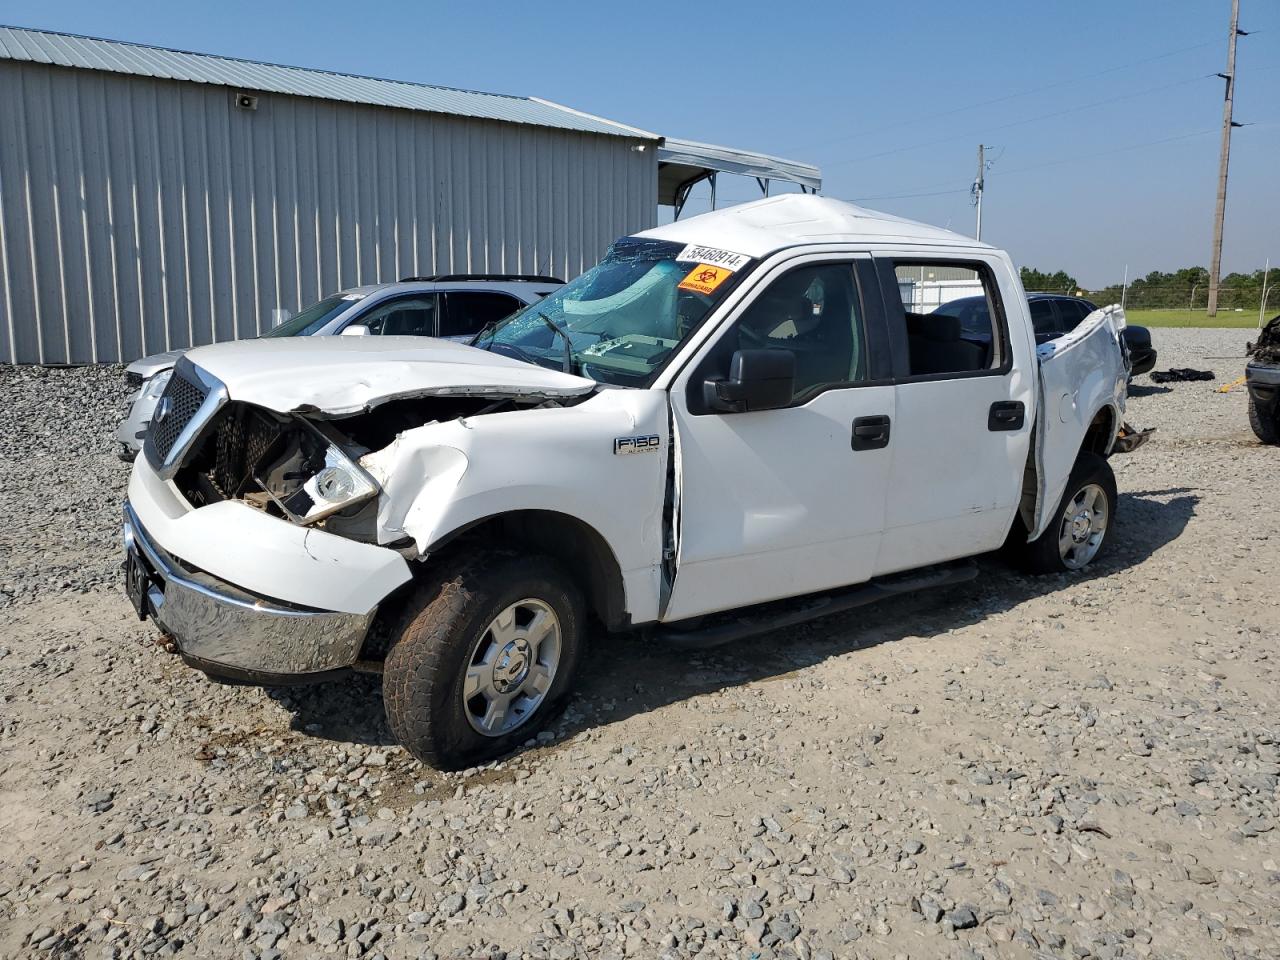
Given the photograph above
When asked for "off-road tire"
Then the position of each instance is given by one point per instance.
(1267, 429)
(441, 621)
(1043, 555)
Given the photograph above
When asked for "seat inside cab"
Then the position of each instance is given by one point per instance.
(948, 316)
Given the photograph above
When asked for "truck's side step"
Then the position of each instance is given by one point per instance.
(722, 628)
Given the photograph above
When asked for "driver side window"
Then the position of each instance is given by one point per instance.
(814, 312)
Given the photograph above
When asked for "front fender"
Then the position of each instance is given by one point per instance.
(443, 477)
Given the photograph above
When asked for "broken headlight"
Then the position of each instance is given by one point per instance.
(337, 484)
(154, 385)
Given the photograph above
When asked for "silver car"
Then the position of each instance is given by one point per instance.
(452, 306)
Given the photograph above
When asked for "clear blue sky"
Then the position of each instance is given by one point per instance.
(890, 99)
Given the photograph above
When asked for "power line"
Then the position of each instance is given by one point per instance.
(1079, 159)
(912, 196)
(1025, 120)
(1070, 81)
(1106, 153)
(1092, 155)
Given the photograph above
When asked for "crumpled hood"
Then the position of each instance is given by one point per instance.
(150, 365)
(341, 375)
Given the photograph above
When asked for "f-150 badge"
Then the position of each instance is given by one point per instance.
(630, 445)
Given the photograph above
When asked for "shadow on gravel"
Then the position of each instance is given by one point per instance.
(1147, 389)
(656, 675)
(346, 711)
(625, 674)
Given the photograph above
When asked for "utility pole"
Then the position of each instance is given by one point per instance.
(979, 182)
(1229, 79)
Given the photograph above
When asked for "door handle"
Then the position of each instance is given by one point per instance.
(1006, 415)
(870, 433)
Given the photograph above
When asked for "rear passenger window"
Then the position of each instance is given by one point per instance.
(951, 312)
(467, 311)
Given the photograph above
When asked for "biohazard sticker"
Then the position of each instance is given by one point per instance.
(704, 278)
(713, 256)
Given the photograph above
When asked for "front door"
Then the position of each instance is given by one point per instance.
(783, 502)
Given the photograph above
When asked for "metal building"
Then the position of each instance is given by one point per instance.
(152, 199)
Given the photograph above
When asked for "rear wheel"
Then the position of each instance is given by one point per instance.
(484, 656)
(1267, 428)
(1081, 523)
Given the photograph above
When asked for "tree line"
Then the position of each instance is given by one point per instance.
(1182, 289)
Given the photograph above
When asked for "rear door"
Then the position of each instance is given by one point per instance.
(962, 430)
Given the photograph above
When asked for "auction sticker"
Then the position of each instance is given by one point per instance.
(713, 257)
(704, 278)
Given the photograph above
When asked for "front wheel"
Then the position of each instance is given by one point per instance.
(484, 657)
(1082, 522)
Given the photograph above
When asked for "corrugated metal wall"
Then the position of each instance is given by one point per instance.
(141, 215)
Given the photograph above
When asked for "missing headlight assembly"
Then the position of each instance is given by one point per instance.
(287, 466)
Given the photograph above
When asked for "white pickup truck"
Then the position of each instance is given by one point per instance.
(731, 423)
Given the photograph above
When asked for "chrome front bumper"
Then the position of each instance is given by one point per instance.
(230, 632)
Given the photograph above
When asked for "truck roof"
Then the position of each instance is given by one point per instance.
(763, 226)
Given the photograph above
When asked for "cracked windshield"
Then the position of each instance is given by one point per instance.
(620, 321)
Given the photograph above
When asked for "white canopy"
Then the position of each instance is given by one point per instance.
(683, 163)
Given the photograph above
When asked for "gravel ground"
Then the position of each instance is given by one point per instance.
(1067, 767)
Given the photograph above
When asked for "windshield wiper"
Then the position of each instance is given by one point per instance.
(568, 344)
(488, 330)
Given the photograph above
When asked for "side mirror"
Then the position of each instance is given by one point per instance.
(758, 380)
(355, 330)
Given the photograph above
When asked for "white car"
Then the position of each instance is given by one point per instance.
(730, 424)
(455, 306)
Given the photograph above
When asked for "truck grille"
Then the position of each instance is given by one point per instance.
(183, 398)
(241, 440)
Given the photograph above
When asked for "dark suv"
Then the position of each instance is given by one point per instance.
(1052, 315)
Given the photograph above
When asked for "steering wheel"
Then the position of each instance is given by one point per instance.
(751, 338)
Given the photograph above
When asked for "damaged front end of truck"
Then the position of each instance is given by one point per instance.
(267, 519)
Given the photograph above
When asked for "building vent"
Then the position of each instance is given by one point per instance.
(246, 101)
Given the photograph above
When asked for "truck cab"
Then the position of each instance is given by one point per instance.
(742, 418)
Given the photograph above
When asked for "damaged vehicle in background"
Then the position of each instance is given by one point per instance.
(1262, 378)
(452, 306)
(730, 424)
(1052, 315)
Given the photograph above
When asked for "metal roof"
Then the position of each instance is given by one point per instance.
(118, 56)
(681, 162)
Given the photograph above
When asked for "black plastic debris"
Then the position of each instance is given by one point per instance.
(1177, 374)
